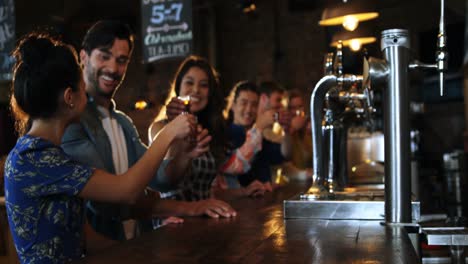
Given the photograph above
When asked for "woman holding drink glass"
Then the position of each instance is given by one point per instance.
(193, 177)
(45, 187)
(195, 78)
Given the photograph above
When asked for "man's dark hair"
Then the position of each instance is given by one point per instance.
(103, 34)
(270, 87)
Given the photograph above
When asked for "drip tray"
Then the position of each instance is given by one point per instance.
(352, 204)
(446, 236)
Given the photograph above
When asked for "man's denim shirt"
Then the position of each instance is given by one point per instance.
(88, 143)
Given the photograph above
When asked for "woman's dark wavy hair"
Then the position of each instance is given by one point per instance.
(44, 68)
(236, 90)
(211, 116)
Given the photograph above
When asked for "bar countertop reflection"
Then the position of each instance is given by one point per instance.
(259, 234)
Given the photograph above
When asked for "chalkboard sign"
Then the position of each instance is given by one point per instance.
(7, 38)
(166, 29)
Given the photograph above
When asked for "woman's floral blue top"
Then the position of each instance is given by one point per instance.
(44, 212)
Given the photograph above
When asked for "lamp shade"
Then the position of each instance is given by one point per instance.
(349, 14)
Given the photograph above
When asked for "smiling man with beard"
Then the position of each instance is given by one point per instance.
(106, 138)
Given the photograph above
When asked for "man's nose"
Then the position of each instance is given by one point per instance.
(112, 65)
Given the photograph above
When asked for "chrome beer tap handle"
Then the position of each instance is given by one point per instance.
(441, 64)
(338, 64)
(442, 53)
(328, 64)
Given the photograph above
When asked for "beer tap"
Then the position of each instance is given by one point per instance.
(328, 131)
(392, 72)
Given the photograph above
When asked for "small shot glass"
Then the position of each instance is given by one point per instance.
(186, 100)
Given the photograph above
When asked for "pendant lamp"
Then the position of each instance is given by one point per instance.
(349, 13)
(354, 39)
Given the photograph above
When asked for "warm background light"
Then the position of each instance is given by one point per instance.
(250, 8)
(355, 44)
(141, 105)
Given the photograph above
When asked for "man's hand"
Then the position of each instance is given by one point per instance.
(211, 207)
(254, 189)
(268, 187)
(265, 119)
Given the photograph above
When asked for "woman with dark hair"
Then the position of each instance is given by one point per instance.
(195, 78)
(44, 187)
(193, 175)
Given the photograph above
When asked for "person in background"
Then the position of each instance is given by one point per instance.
(300, 165)
(44, 186)
(245, 130)
(276, 147)
(106, 138)
(192, 181)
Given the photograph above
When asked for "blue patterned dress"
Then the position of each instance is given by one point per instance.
(44, 212)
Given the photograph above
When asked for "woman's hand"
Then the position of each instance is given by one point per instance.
(174, 108)
(202, 143)
(297, 123)
(182, 126)
(211, 207)
(172, 220)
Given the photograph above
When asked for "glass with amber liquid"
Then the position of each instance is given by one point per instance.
(186, 101)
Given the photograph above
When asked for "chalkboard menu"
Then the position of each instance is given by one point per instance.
(166, 29)
(7, 38)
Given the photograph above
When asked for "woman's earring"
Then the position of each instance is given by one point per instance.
(71, 105)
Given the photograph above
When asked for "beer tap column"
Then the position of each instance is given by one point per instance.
(395, 46)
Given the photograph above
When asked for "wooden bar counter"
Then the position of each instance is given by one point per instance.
(259, 234)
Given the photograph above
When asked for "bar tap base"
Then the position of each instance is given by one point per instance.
(356, 205)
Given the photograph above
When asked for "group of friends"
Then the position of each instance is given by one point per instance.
(80, 166)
